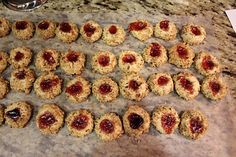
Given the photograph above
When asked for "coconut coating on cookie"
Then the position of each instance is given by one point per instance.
(3, 61)
(23, 29)
(91, 31)
(67, 32)
(4, 84)
(5, 27)
(45, 29)
(2, 108)
(20, 57)
(165, 30)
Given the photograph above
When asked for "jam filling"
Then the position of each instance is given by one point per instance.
(14, 114)
(195, 30)
(0, 58)
(207, 63)
(105, 88)
(47, 56)
(48, 84)
(215, 87)
(137, 26)
(186, 84)
(112, 29)
(135, 120)
(133, 85)
(80, 122)
(43, 25)
(75, 89)
(72, 57)
(65, 27)
(107, 126)
(103, 60)
(21, 25)
(196, 125)
(89, 29)
(168, 122)
(182, 52)
(164, 25)
(19, 56)
(162, 80)
(20, 75)
(129, 58)
(155, 50)
(46, 120)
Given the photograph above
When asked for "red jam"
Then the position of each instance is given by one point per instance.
(48, 57)
(43, 25)
(0, 58)
(133, 85)
(186, 84)
(182, 52)
(14, 114)
(112, 29)
(72, 57)
(107, 126)
(162, 80)
(19, 56)
(46, 120)
(195, 30)
(135, 120)
(21, 25)
(207, 63)
(89, 29)
(20, 75)
(65, 27)
(48, 84)
(80, 122)
(215, 87)
(137, 26)
(103, 60)
(75, 88)
(168, 122)
(164, 25)
(105, 88)
(196, 125)
(129, 58)
(155, 50)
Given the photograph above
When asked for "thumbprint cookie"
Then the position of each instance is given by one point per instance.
(91, 31)
(109, 127)
(155, 54)
(186, 85)
(78, 89)
(193, 34)
(22, 80)
(141, 29)
(136, 121)
(113, 35)
(46, 29)
(47, 60)
(67, 32)
(18, 114)
(181, 55)
(23, 29)
(48, 86)
(2, 108)
(130, 61)
(161, 83)
(20, 57)
(50, 118)
(104, 62)
(105, 89)
(207, 64)
(72, 62)
(165, 119)
(5, 27)
(3, 61)
(80, 122)
(4, 84)
(165, 30)
(193, 124)
(214, 87)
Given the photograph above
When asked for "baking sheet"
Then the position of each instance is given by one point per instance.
(218, 141)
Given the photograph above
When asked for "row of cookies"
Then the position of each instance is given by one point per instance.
(135, 121)
(91, 31)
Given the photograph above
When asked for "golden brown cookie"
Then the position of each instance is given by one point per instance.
(20, 57)
(2, 108)
(5, 27)
(165, 30)
(46, 29)
(4, 84)
(3, 61)
(91, 31)
(67, 32)
(23, 29)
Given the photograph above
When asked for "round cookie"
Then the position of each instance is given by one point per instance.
(155, 54)
(72, 62)
(47, 60)
(161, 83)
(50, 118)
(80, 122)
(136, 121)
(214, 87)
(67, 32)
(105, 89)
(48, 86)
(20, 57)
(186, 85)
(130, 61)
(207, 64)
(2, 108)
(5, 27)
(141, 29)
(18, 114)
(193, 124)
(193, 34)
(109, 127)
(22, 80)
(113, 34)
(78, 89)
(91, 31)
(133, 87)
(23, 29)
(181, 55)
(3, 61)
(4, 84)
(165, 119)
(165, 30)
(103, 62)
(46, 29)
